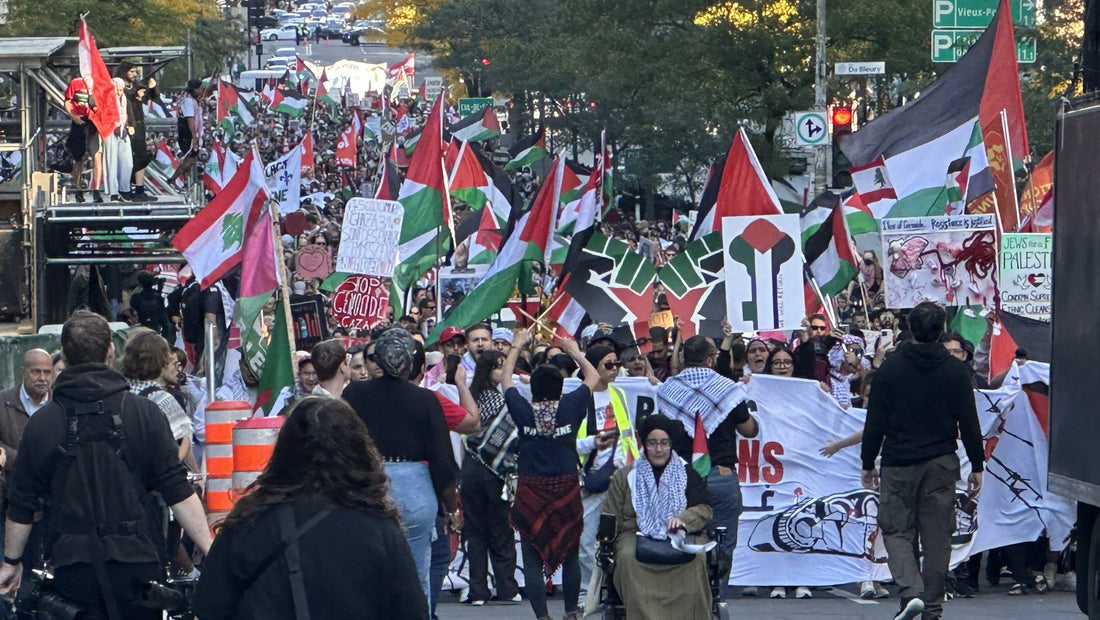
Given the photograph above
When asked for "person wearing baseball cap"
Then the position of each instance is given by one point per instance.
(502, 339)
(452, 341)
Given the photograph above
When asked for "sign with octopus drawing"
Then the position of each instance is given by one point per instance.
(951, 260)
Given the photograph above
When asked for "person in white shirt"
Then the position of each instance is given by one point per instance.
(330, 360)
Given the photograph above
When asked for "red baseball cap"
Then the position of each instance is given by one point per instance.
(451, 333)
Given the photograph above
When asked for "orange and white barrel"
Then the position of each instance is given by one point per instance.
(219, 498)
(253, 443)
(220, 418)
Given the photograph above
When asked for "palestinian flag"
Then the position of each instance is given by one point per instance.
(700, 453)
(424, 234)
(737, 186)
(302, 73)
(503, 197)
(527, 151)
(828, 252)
(527, 240)
(919, 141)
(388, 186)
(233, 108)
(323, 95)
(289, 102)
(467, 180)
(213, 241)
(165, 160)
(277, 380)
(477, 127)
(613, 283)
(695, 286)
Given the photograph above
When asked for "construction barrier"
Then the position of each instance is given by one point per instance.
(218, 456)
(253, 443)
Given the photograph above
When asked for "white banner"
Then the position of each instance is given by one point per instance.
(763, 260)
(807, 521)
(284, 180)
(368, 239)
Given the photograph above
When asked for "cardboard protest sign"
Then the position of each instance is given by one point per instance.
(369, 238)
(1025, 278)
(951, 260)
(763, 263)
(313, 261)
(361, 301)
(663, 319)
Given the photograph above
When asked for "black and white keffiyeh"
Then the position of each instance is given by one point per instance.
(658, 500)
(700, 391)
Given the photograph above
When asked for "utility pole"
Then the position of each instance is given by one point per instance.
(822, 168)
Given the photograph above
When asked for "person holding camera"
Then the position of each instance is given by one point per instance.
(93, 460)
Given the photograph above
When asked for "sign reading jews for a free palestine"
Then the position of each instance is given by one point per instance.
(369, 238)
(1025, 280)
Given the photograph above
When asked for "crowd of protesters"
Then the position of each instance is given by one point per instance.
(519, 453)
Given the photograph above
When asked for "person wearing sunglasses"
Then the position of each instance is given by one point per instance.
(605, 442)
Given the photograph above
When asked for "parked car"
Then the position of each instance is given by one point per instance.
(277, 64)
(286, 31)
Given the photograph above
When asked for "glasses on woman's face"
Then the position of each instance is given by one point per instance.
(658, 443)
(782, 363)
(611, 365)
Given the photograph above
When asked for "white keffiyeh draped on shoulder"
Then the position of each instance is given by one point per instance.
(700, 391)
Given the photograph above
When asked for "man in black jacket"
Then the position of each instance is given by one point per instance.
(921, 400)
(95, 481)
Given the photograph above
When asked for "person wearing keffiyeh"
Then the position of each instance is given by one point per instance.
(722, 408)
(547, 512)
(658, 495)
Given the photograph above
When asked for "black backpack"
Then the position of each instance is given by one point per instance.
(100, 508)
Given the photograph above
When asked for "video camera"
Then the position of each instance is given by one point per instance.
(37, 600)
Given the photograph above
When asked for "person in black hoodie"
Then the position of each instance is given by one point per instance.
(920, 402)
(120, 450)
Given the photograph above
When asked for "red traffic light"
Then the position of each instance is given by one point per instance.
(486, 62)
(842, 116)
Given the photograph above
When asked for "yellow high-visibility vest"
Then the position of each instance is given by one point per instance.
(622, 422)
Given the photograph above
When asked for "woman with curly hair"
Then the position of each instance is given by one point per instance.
(316, 534)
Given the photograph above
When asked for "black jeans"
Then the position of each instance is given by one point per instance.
(488, 535)
(536, 582)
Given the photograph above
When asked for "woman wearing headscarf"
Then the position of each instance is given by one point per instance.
(408, 427)
(548, 513)
(321, 502)
(659, 495)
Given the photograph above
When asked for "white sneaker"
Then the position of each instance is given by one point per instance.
(880, 590)
(803, 592)
(867, 590)
(779, 592)
(911, 611)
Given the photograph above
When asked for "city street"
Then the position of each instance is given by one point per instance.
(991, 604)
(328, 53)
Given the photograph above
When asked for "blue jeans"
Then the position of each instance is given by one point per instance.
(411, 487)
(725, 500)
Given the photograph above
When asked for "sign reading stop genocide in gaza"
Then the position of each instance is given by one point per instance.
(361, 301)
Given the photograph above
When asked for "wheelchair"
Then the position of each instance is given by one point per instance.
(611, 604)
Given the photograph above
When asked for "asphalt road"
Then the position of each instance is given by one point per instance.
(991, 604)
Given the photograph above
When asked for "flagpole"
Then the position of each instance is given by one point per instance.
(284, 290)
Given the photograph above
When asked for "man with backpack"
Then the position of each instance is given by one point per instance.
(94, 459)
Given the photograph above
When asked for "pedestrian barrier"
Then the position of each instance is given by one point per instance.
(220, 418)
(253, 443)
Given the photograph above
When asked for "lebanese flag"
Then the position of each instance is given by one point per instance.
(700, 453)
(737, 186)
(307, 152)
(105, 114)
(213, 241)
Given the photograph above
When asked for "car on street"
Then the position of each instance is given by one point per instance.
(277, 64)
(284, 32)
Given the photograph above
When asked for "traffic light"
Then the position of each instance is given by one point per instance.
(255, 10)
(485, 62)
(841, 118)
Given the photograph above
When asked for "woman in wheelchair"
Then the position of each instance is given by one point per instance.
(660, 495)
